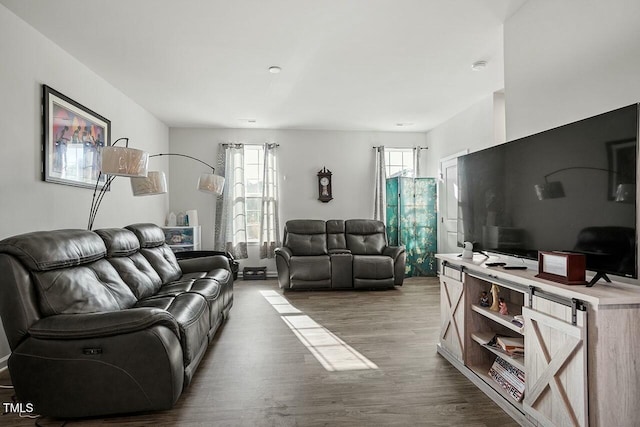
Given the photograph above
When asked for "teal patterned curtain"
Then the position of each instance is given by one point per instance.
(412, 222)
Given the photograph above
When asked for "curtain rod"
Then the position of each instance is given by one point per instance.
(421, 148)
(226, 144)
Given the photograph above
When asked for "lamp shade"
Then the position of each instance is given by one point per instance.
(210, 183)
(124, 161)
(154, 183)
(549, 190)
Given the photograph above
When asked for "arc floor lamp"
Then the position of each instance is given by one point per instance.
(156, 182)
(116, 161)
(133, 163)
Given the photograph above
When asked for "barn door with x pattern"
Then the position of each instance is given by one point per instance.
(556, 365)
(451, 316)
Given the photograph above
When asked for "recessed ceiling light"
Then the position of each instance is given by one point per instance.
(404, 124)
(479, 65)
(248, 120)
(274, 69)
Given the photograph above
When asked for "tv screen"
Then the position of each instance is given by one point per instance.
(571, 188)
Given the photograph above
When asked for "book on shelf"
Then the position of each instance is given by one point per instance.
(490, 339)
(508, 377)
(511, 345)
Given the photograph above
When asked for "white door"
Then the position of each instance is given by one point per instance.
(448, 205)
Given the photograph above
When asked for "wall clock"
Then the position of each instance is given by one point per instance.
(324, 185)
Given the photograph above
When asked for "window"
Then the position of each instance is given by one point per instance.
(399, 162)
(253, 173)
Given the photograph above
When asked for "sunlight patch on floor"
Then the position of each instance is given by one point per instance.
(332, 353)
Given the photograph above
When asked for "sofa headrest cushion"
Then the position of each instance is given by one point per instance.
(306, 226)
(119, 241)
(149, 235)
(49, 250)
(364, 226)
(335, 226)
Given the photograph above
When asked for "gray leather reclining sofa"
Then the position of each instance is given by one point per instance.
(338, 254)
(109, 321)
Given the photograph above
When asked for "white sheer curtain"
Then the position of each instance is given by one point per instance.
(231, 220)
(380, 187)
(416, 162)
(269, 216)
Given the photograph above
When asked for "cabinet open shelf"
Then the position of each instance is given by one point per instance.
(516, 361)
(482, 371)
(504, 320)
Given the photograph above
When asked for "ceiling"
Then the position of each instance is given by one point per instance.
(346, 64)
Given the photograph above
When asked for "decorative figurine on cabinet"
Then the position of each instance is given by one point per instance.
(494, 295)
(484, 299)
(502, 307)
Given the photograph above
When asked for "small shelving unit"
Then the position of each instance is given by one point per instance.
(517, 361)
(483, 322)
(181, 239)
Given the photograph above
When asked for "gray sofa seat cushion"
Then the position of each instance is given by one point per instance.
(310, 269)
(208, 288)
(373, 271)
(191, 312)
(372, 267)
(365, 236)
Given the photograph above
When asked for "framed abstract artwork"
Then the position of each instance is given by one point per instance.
(73, 137)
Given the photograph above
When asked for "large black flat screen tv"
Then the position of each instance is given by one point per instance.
(571, 188)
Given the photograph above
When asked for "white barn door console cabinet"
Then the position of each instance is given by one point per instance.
(581, 359)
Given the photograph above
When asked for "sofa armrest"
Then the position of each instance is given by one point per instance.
(393, 251)
(103, 324)
(284, 252)
(399, 255)
(205, 263)
(283, 263)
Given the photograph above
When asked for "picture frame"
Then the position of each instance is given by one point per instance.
(621, 157)
(73, 136)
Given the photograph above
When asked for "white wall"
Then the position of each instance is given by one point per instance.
(471, 129)
(348, 155)
(28, 61)
(567, 60)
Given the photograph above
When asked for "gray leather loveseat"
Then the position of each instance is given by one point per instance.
(107, 321)
(338, 254)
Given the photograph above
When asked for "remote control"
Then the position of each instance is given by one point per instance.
(515, 267)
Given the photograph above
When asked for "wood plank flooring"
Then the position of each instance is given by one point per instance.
(257, 372)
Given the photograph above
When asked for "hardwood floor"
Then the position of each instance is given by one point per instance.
(257, 372)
